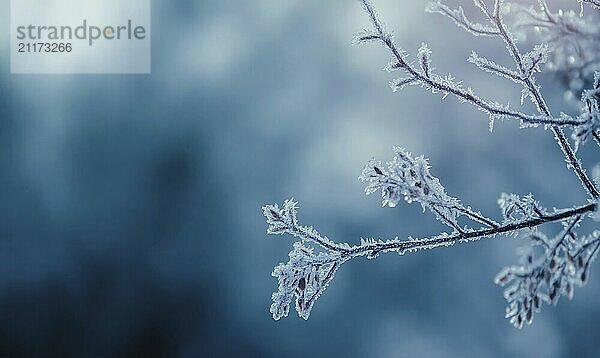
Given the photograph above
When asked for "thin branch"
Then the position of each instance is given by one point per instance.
(478, 217)
(445, 240)
(308, 233)
(284, 220)
(490, 66)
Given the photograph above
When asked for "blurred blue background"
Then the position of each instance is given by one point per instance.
(130, 213)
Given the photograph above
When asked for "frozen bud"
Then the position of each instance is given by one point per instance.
(503, 277)
(529, 316)
(302, 284)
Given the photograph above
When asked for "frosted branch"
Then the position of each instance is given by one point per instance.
(447, 85)
(461, 20)
(490, 66)
(307, 274)
(414, 245)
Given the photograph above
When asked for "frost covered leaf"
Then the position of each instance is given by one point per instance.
(536, 57)
(408, 178)
(424, 55)
(302, 280)
(549, 269)
(590, 113)
(281, 220)
(307, 273)
(584, 132)
(516, 209)
(405, 177)
(595, 215)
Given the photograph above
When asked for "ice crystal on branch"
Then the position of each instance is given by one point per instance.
(534, 58)
(281, 220)
(301, 280)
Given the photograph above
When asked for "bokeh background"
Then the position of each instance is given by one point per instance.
(130, 221)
